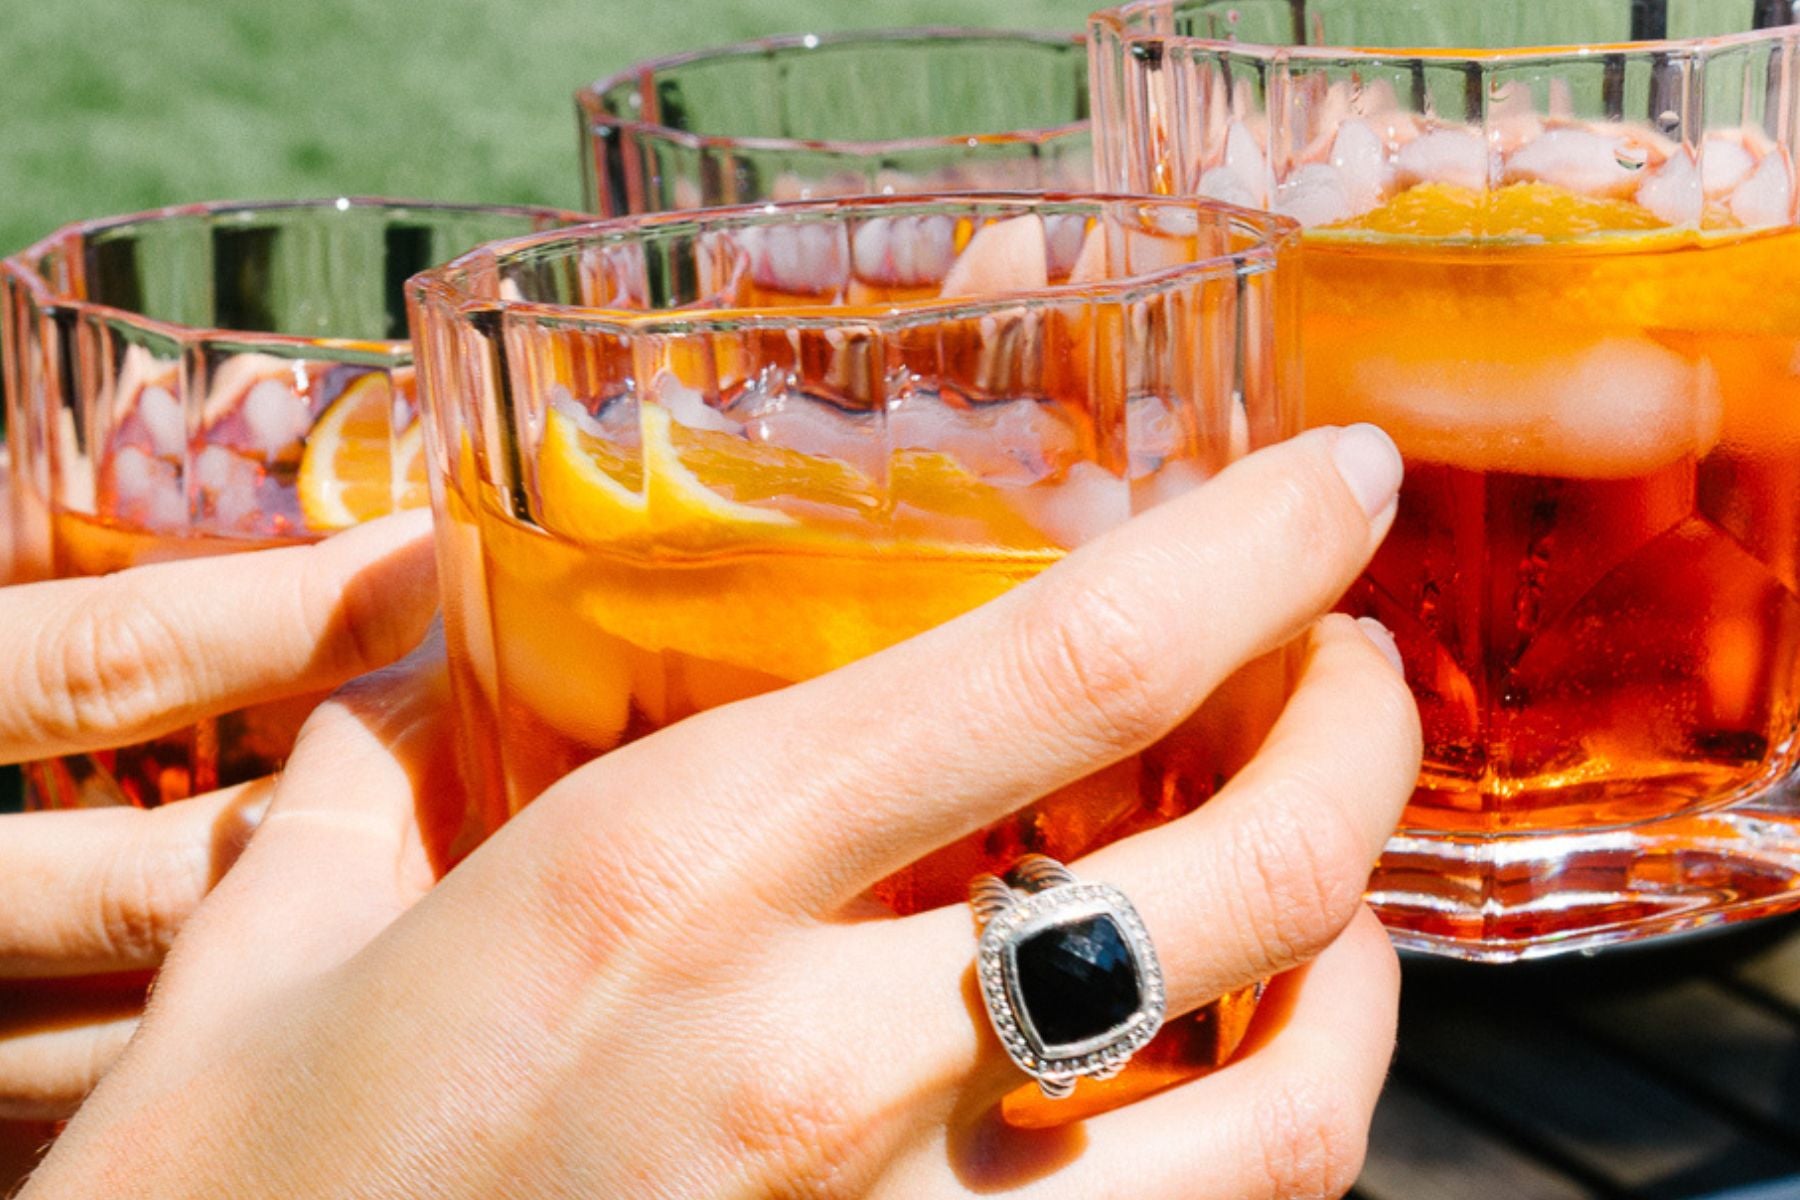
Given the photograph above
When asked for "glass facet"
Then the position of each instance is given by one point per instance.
(840, 114)
(211, 379)
(1549, 249)
(682, 460)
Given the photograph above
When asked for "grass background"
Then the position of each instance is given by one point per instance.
(111, 106)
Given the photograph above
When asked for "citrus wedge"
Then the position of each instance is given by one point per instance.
(678, 558)
(353, 468)
(1525, 211)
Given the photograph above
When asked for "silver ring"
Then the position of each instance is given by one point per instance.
(1068, 975)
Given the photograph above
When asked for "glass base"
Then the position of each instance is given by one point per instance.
(1508, 899)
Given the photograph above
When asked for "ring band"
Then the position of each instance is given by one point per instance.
(1068, 975)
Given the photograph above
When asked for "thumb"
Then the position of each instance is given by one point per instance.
(358, 830)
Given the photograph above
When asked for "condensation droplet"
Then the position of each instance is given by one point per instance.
(1499, 89)
(1631, 155)
(1668, 120)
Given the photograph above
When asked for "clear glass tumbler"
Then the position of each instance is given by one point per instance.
(209, 379)
(684, 459)
(1550, 249)
(821, 115)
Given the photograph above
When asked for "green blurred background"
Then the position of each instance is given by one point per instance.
(112, 106)
(116, 105)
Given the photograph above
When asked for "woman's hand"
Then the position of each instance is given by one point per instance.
(658, 980)
(93, 663)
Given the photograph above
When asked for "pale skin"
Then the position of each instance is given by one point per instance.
(91, 663)
(660, 979)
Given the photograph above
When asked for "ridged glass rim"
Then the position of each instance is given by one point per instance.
(20, 266)
(590, 98)
(1269, 232)
(1118, 21)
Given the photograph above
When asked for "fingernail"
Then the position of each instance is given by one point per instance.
(1383, 640)
(1370, 463)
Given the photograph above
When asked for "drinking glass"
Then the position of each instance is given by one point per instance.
(1549, 248)
(683, 459)
(210, 379)
(821, 115)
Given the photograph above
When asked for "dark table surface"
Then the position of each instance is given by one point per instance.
(1666, 1074)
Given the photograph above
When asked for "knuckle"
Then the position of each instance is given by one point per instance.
(111, 666)
(1313, 1136)
(1304, 865)
(803, 1126)
(1088, 655)
(143, 896)
(361, 627)
(618, 892)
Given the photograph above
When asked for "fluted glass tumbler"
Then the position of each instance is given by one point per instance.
(822, 115)
(684, 459)
(1550, 249)
(210, 379)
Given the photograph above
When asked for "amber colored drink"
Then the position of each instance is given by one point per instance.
(1593, 574)
(784, 481)
(253, 497)
(197, 758)
(208, 380)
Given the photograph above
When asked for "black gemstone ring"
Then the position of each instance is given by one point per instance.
(1067, 972)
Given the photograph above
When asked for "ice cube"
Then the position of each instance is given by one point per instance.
(1015, 441)
(1767, 197)
(163, 420)
(1064, 241)
(1154, 432)
(1513, 124)
(1090, 264)
(1085, 503)
(614, 276)
(1611, 408)
(1673, 191)
(1327, 108)
(1314, 195)
(1724, 163)
(275, 417)
(801, 257)
(1454, 156)
(1361, 161)
(687, 406)
(800, 422)
(904, 251)
(1003, 256)
(1244, 158)
(147, 490)
(616, 422)
(1580, 160)
(1560, 104)
(1174, 478)
(1224, 185)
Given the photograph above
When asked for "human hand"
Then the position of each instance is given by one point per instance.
(91, 899)
(657, 980)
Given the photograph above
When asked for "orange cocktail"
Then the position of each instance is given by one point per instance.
(687, 460)
(1560, 280)
(209, 380)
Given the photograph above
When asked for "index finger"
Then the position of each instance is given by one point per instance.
(833, 784)
(106, 661)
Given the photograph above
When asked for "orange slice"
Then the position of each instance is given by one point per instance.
(694, 490)
(684, 554)
(1525, 211)
(353, 468)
